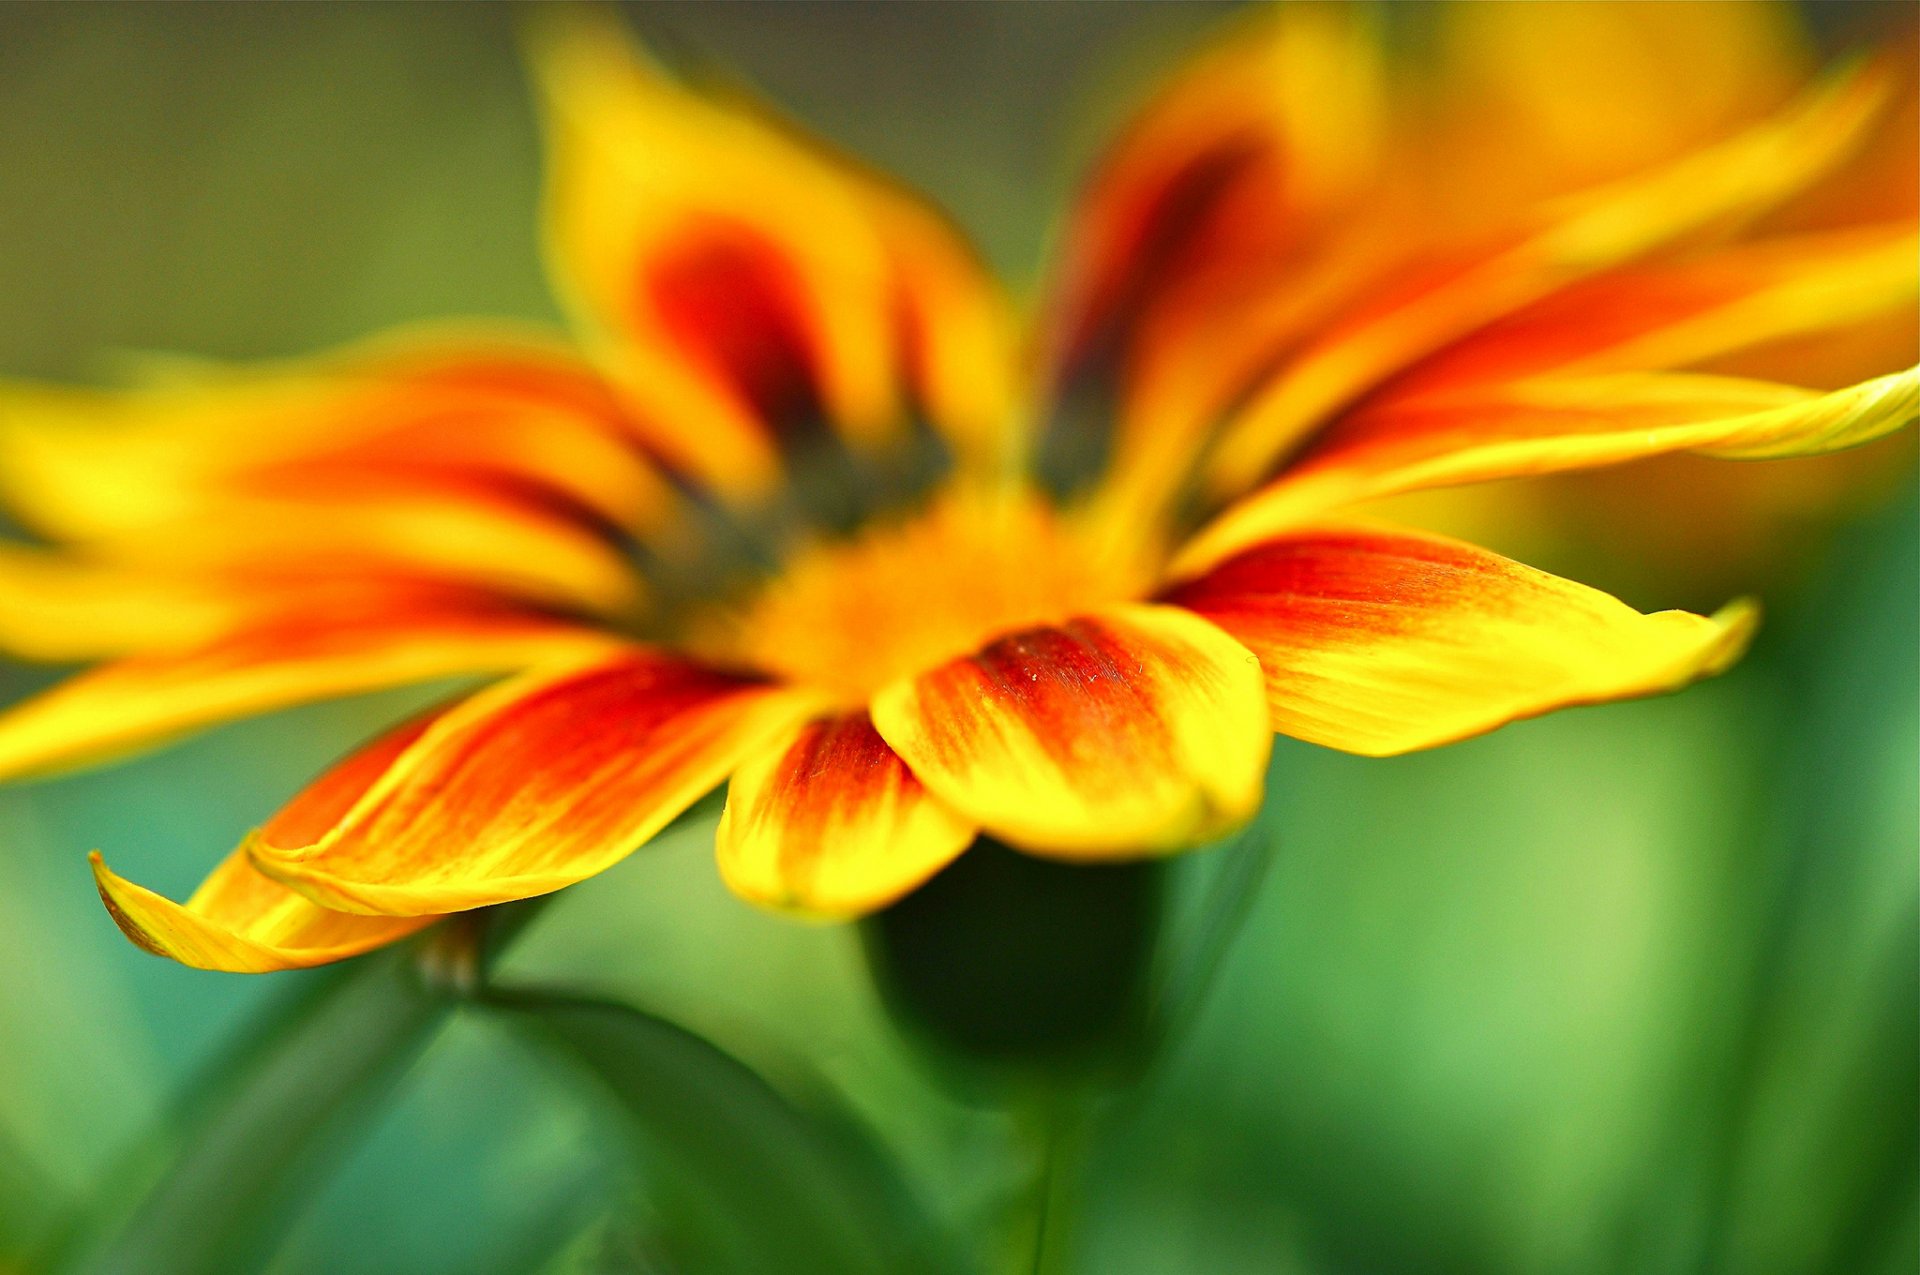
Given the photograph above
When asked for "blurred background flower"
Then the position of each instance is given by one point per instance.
(1625, 990)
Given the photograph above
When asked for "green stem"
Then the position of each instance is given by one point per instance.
(216, 1190)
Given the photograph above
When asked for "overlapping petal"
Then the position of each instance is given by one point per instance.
(1381, 641)
(743, 283)
(243, 922)
(1129, 731)
(830, 821)
(329, 645)
(1587, 233)
(535, 783)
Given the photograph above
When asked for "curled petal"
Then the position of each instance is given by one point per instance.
(357, 643)
(533, 784)
(1554, 424)
(830, 821)
(1134, 730)
(1381, 641)
(243, 922)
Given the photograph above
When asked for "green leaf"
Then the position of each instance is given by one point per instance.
(217, 1191)
(753, 1181)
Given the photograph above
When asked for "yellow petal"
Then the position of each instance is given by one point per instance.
(830, 821)
(239, 920)
(533, 784)
(1382, 641)
(361, 644)
(1673, 76)
(58, 608)
(1134, 730)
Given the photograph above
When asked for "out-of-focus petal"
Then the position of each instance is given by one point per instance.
(533, 784)
(1241, 206)
(742, 282)
(1587, 233)
(830, 821)
(243, 922)
(474, 457)
(332, 645)
(1382, 641)
(58, 608)
(423, 411)
(1672, 77)
(1688, 311)
(1553, 424)
(1131, 731)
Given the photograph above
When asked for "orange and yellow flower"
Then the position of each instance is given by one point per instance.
(803, 508)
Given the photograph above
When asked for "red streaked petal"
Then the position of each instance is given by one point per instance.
(331, 646)
(535, 783)
(1382, 641)
(243, 922)
(830, 821)
(744, 282)
(1134, 730)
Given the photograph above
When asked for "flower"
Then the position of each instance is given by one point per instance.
(799, 509)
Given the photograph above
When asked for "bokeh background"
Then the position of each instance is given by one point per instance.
(1629, 989)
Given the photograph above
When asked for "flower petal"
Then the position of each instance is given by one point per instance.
(830, 821)
(742, 282)
(1134, 730)
(1549, 425)
(1234, 214)
(243, 922)
(352, 643)
(1685, 312)
(533, 784)
(475, 456)
(56, 607)
(1382, 641)
(1591, 232)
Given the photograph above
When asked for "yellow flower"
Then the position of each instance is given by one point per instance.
(800, 509)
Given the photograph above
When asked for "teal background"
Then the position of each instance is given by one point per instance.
(1628, 989)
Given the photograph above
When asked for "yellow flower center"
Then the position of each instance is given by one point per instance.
(849, 615)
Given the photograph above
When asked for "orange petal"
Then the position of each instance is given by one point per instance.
(533, 784)
(742, 281)
(830, 821)
(1381, 641)
(1554, 424)
(1591, 232)
(328, 647)
(1134, 730)
(243, 922)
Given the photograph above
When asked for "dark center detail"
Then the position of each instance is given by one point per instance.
(1009, 958)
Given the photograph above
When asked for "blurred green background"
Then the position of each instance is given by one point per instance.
(1628, 989)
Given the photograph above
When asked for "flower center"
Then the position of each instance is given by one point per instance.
(849, 615)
